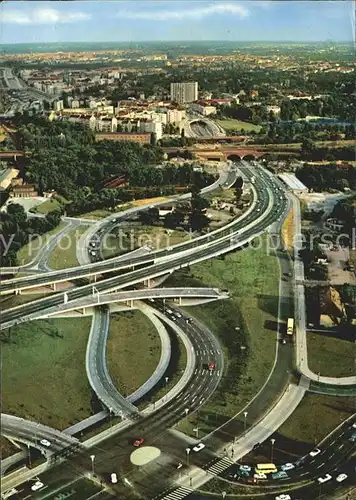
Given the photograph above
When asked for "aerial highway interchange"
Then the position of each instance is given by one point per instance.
(69, 458)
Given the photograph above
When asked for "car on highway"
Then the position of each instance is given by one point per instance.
(45, 442)
(245, 468)
(198, 447)
(178, 315)
(280, 475)
(211, 366)
(113, 477)
(138, 441)
(354, 425)
(324, 479)
(315, 452)
(352, 439)
(284, 496)
(341, 477)
(287, 466)
(260, 475)
(37, 486)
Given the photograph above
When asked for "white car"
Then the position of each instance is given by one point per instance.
(315, 452)
(354, 425)
(260, 475)
(247, 468)
(44, 442)
(341, 477)
(324, 479)
(114, 477)
(37, 486)
(287, 466)
(284, 496)
(199, 447)
(178, 315)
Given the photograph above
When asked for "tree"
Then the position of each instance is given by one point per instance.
(149, 217)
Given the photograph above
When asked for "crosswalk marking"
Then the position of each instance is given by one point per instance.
(178, 494)
(220, 466)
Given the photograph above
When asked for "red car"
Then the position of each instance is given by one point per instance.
(211, 366)
(138, 441)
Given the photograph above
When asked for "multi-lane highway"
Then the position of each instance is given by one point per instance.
(114, 453)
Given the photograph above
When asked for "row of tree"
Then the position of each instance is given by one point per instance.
(65, 157)
(331, 176)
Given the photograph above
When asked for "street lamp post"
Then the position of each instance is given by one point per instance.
(187, 450)
(245, 417)
(29, 456)
(92, 458)
(272, 444)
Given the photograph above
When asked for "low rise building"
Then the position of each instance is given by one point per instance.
(141, 138)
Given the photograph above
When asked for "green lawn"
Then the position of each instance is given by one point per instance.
(50, 205)
(43, 371)
(130, 367)
(64, 254)
(331, 356)
(129, 237)
(315, 417)
(251, 276)
(28, 252)
(95, 214)
(231, 124)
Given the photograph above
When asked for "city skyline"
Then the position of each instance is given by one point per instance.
(81, 21)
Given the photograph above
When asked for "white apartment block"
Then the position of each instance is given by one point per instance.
(103, 124)
(152, 127)
(58, 105)
(175, 115)
(203, 110)
(184, 92)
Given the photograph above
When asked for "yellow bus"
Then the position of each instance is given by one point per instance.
(290, 326)
(266, 468)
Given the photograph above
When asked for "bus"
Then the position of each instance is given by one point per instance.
(266, 468)
(290, 326)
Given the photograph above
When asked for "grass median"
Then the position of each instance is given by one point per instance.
(133, 350)
(65, 253)
(330, 355)
(128, 237)
(314, 418)
(244, 324)
(43, 371)
(29, 252)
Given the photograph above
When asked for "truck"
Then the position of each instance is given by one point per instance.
(290, 326)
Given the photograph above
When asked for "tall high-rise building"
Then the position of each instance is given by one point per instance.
(184, 92)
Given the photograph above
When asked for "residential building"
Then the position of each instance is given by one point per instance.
(175, 115)
(21, 190)
(184, 92)
(58, 105)
(152, 127)
(203, 108)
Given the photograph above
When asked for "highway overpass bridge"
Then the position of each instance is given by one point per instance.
(219, 153)
(126, 297)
